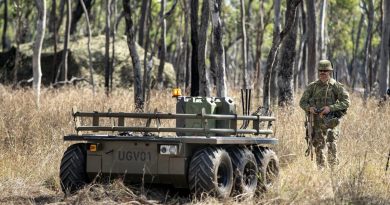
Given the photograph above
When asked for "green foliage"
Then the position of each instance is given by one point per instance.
(342, 14)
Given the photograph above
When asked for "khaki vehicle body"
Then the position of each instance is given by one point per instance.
(139, 155)
(138, 159)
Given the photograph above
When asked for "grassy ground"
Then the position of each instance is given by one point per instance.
(31, 148)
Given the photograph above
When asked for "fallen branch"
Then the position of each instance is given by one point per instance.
(26, 81)
(73, 80)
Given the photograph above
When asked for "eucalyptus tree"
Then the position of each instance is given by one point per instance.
(285, 74)
(107, 68)
(215, 10)
(367, 61)
(163, 45)
(5, 26)
(384, 49)
(78, 12)
(138, 100)
(322, 30)
(272, 55)
(311, 40)
(194, 5)
(244, 47)
(92, 82)
(65, 52)
(204, 89)
(41, 25)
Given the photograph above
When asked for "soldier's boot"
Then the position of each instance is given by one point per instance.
(332, 154)
(320, 157)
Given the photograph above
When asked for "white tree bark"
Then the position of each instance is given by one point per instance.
(89, 47)
(322, 37)
(41, 25)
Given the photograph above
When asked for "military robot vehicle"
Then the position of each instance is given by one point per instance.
(212, 149)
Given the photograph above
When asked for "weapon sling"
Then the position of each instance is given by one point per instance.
(309, 150)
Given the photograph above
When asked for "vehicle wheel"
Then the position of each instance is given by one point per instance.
(268, 164)
(73, 173)
(211, 172)
(245, 171)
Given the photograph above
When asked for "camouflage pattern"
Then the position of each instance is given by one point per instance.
(325, 65)
(325, 129)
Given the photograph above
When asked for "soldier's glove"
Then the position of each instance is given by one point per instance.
(324, 111)
(313, 110)
(331, 121)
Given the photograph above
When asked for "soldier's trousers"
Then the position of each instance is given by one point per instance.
(328, 137)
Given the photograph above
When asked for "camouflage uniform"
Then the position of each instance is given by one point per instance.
(319, 94)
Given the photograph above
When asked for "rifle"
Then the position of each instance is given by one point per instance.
(310, 133)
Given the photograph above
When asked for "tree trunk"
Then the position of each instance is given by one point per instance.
(147, 67)
(53, 28)
(37, 73)
(259, 42)
(290, 18)
(65, 52)
(5, 26)
(77, 13)
(311, 41)
(143, 21)
(321, 38)
(384, 53)
(354, 66)
(244, 48)
(263, 22)
(59, 20)
(274, 70)
(138, 101)
(113, 13)
(163, 47)
(187, 5)
(285, 75)
(89, 46)
(215, 9)
(203, 75)
(107, 75)
(303, 79)
(19, 16)
(301, 45)
(213, 65)
(181, 72)
(194, 53)
(367, 48)
(53, 17)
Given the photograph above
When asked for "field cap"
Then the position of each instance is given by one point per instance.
(325, 65)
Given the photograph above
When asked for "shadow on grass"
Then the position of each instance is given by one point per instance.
(46, 199)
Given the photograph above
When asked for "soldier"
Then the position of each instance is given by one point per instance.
(328, 100)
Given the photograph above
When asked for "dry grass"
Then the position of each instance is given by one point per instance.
(31, 148)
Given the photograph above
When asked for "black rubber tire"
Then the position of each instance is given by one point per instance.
(211, 172)
(268, 164)
(245, 171)
(73, 173)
